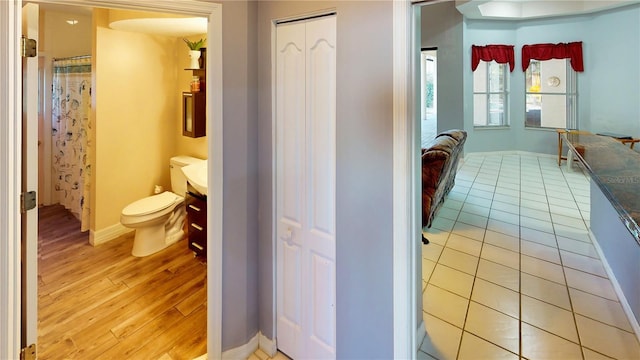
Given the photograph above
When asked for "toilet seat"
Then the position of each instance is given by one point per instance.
(151, 204)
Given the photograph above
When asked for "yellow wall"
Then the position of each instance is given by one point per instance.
(139, 79)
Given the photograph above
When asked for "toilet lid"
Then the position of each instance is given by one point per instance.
(150, 204)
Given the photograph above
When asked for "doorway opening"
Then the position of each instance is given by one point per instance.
(429, 94)
(210, 331)
(68, 266)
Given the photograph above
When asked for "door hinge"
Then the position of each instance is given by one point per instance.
(27, 201)
(28, 353)
(28, 47)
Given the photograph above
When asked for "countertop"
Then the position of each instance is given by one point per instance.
(616, 170)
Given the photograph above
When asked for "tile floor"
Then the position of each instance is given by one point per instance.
(511, 271)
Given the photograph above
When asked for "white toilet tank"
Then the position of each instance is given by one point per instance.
(178, 180)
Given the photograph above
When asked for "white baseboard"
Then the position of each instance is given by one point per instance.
(243, 351)
(109, 233)
(487, 153)
(616, 286)
(508, 152)
(268, 346)
(421, 333)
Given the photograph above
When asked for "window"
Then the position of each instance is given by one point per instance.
(550, 88)
(429, 83)
(491, 94)
(429, 110)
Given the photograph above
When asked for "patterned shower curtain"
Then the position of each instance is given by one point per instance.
(71, 131)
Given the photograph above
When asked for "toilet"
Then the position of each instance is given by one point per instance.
(158, 220)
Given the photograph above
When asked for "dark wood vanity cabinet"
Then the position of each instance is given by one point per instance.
(197, 222)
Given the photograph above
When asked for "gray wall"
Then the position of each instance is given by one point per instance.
(364, 172)
(614, 86)
(608, 89)
(442, 28)
(240, 213)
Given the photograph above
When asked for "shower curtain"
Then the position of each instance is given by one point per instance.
(71, 132)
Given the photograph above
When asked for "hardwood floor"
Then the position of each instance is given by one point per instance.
(103, 303)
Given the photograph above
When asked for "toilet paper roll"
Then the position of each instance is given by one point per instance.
(158, 189)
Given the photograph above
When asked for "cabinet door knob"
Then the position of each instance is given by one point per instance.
(197, 227)
(194, 207)
(287, 236)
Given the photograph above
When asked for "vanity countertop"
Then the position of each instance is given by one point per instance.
(196, 175)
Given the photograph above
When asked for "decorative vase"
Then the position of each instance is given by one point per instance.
(194, 55)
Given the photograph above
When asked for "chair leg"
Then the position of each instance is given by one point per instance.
(424, 240)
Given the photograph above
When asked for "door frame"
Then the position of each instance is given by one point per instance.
(10, 185)
(406, 181)
(30, 158)
(11, 160)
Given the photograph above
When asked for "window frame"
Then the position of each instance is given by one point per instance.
(504, 93)
(570, 96)
(428, 54)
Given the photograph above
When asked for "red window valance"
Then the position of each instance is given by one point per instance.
(572, 51)
(502, 54)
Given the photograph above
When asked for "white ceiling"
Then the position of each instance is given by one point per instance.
(163, 25)
(532, 9)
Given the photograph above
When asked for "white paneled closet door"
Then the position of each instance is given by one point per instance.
(305, 187)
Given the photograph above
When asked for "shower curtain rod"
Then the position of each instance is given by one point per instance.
(73, 57)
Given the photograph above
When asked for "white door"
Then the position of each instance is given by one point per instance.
(305, 187)
(30, 180)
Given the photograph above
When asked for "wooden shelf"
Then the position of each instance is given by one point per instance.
(194, 110)
(197, 71)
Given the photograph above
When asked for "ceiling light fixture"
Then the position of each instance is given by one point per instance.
(72, 22)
